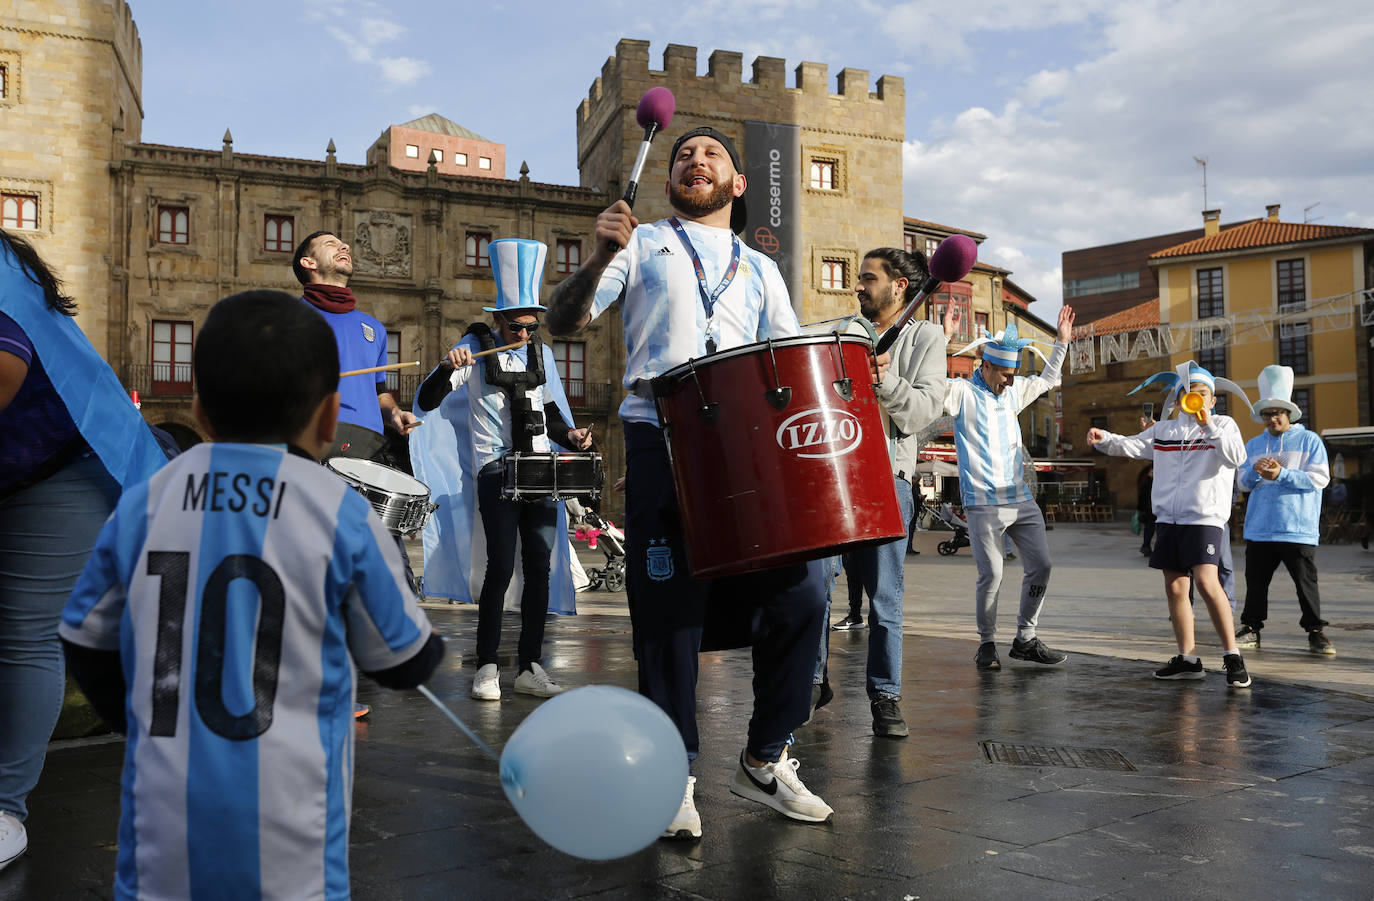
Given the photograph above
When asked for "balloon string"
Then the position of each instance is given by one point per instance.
(424, 690)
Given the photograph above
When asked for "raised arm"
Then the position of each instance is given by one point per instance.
(570, 308)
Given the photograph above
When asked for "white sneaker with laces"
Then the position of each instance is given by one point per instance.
(14, 838)
(535, 681)
(779, 786)
(687, 823)
(486, 685)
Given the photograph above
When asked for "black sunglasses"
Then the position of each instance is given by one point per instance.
(529, 327)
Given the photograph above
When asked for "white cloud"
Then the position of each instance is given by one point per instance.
(402, 70)
(1101, 150)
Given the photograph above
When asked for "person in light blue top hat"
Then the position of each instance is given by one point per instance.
(508, 401)
(1285, 472)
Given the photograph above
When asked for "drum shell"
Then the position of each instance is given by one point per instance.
(551, 476)
(762, 486)
(404, 507)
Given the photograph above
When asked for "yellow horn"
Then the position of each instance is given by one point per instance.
(1191, 402)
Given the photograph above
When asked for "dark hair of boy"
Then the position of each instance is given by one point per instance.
(303, 250)
(263, 362)
(902, 264)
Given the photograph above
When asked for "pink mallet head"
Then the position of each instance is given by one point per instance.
(953, 259)
(655, 108)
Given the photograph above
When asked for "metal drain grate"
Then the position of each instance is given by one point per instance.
(1044, 755)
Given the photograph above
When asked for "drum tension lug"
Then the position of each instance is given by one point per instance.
(709, 413)
(778, 398)
(844, 388)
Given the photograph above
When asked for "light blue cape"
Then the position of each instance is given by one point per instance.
(441, 456)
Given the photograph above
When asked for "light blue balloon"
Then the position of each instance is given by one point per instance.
(597, 772)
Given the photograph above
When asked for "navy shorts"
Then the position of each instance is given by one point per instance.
(1180, 548)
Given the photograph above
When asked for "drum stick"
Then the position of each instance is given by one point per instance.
(497, 350)
(424, 690)
(387, 368)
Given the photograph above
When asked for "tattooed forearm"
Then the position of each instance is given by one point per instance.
(572, 302)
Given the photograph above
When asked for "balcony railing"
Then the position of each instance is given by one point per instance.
(591, 396)
(154, 379)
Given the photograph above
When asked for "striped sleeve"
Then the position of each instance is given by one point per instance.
(386, 626)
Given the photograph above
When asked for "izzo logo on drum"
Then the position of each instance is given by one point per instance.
(820, 433)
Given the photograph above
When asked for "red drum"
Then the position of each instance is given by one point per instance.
(778, 453)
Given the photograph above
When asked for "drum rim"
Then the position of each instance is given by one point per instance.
(353, 478)
(747, 349)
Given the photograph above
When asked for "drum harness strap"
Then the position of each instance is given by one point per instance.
(526, 422)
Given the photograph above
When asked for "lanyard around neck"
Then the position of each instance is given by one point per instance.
(708, 298)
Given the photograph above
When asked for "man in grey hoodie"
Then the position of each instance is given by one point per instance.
(911, 389)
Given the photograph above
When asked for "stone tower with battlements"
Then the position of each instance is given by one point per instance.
(72, 76)
(850, 140)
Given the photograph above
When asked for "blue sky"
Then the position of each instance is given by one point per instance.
(1047, 125)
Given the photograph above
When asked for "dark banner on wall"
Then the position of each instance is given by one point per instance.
(773, 170)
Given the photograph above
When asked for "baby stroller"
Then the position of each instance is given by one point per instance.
(599, 531)
(945, 513)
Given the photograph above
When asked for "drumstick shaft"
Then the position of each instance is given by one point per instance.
(387, 368)
(497, 350)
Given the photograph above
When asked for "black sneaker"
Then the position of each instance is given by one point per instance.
(849, 622)
(1247, 637)
(1318, 643)
(887, 719)
(1236, 676)
(1035, 651)
(986, 658)
(1178, 668)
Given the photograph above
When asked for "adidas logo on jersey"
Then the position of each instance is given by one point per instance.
(664, 252)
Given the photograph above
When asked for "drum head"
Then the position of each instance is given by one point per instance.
(375, 475)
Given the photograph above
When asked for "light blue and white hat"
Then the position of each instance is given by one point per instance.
(1004, 348)
(517, 264)
(1176, 382)
(1276, 392)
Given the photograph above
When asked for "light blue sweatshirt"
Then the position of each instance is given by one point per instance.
(1289, 507)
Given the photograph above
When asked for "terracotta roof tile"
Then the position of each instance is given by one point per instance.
(1131, 319)
(1260, 233)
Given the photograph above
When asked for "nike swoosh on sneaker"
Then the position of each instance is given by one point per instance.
(770, 789)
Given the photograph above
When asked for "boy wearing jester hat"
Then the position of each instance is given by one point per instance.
(1195, 457)
(997, 501)
(507, 401)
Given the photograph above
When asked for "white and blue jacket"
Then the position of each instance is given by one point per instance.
(1289, 507)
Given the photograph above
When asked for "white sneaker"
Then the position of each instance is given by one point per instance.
(535, 681)
(778, 786)
(687, 823)
(486, 685)
(14, 838)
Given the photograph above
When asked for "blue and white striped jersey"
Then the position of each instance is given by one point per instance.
(239, 585)
(987, 435)
(665, 321)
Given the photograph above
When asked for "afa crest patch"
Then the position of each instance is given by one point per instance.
(1211, 550)
(369, 332)
(659, 559)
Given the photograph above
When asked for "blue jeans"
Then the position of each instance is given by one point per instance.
(880, 570)
(535, 522)
(46, 533)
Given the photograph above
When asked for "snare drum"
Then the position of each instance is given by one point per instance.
(778, 453)
(400, 500)
(534, 477)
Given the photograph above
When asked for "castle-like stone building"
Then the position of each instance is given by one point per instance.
(148, 236)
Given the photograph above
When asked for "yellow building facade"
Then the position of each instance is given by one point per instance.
(1269, 291)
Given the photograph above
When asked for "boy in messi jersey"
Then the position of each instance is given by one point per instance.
(220, 617)
(1195, 457)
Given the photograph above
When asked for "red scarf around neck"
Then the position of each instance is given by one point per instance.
(331, 298)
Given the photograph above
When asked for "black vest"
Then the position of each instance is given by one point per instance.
(526, 422)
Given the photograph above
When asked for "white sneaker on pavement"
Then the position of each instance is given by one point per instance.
(486, 685)
(779, 786)
(687, 823)
(14, 838)
(535, 681)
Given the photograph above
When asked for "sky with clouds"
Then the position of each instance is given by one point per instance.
(1048, 125)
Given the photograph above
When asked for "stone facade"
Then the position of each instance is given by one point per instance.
(73, 96)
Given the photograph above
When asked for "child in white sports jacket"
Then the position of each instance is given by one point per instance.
(1195, 457)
